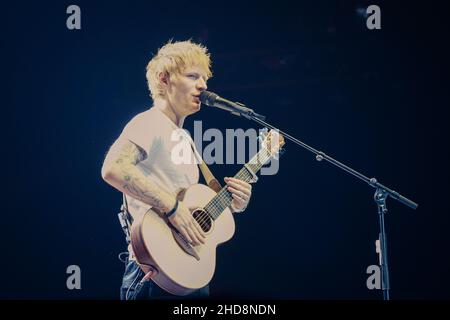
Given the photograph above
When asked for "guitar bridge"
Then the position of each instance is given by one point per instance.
(184, 244)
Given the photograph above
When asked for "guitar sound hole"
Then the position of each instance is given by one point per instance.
(203, 219)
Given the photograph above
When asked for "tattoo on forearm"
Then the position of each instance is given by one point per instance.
(134, 183)
(135, 189)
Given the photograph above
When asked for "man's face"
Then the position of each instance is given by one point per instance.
(183, 90)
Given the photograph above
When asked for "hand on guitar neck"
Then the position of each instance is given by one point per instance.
(241, 192)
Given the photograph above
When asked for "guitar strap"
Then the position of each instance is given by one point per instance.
(211, 181)
(125, 219)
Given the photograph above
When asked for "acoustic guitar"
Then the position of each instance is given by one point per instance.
(179, 267)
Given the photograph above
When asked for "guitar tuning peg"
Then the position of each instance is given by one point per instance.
(278, 154)
(262, 134)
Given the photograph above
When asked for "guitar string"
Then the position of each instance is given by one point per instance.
(220, 199)
(210, 210)
(224, 196)
(243, 170)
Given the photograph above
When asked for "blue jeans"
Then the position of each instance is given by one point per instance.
(133, 289)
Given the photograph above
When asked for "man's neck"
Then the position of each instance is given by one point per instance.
(168, 110)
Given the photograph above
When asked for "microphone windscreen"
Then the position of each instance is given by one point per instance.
(208, 98)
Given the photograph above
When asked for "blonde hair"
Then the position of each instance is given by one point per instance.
(174, 57)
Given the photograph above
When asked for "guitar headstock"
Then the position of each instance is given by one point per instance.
(272, 141)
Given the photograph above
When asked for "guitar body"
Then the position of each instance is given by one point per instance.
(178, 267)
(181, 268)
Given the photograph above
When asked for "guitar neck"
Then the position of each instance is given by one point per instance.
(223, 198)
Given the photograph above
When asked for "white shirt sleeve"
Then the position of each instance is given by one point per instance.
(138, 132)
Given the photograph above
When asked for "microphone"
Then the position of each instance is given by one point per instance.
(213, 100)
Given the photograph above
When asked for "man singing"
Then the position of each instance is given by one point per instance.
(139, 163)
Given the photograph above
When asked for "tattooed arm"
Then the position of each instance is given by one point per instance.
(120, 171)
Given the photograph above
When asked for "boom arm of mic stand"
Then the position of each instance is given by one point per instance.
(321, 155)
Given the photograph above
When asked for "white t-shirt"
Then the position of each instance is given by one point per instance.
(162, 140)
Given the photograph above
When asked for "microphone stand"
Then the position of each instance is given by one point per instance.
(380, 196)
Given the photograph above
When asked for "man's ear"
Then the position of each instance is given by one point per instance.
(164, 78)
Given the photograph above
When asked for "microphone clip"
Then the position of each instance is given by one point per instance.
(247, 112)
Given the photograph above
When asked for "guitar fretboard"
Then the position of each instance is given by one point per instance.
(223, 198)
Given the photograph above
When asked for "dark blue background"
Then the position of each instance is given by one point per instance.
(374, 100)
